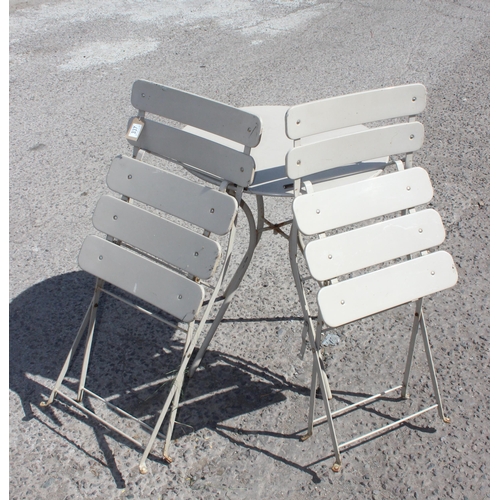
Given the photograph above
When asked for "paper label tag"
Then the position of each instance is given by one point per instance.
(135, 129)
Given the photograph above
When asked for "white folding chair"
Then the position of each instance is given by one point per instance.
(362, 271)
(340, 140)
(158, 246)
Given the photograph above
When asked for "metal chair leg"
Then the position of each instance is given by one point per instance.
(325, 392)
(432, 370)
(294, 243)
(230, 290)
(411, 349)
(90, 338)
(86, 320)
(175, 403)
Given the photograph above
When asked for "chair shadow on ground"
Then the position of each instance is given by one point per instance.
(131, 356)
(348, 398)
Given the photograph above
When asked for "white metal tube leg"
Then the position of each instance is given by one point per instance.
(292, 248)
(71, 353)
(90, 337)
(175, 404)
(176, 386)
(432, 370)
(233, 285)
(312, 403)
(324, 395)
(411, 348)
(260, 216)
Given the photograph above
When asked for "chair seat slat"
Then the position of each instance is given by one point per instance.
(161, 287)
(352, 148)
(362, 296)
(337, 112)
(343, 253)
(192, 150)
(190, 251)
(323, 210)
(212, 116)
(209, 209)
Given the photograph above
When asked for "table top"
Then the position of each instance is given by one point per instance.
(269, 155)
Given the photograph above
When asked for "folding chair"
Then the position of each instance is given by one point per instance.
(365, 269)
(158, 246)
(343, 143)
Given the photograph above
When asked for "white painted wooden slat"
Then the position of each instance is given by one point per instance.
(360, 146)
(343, 253)
(356, 298)
(157, 285)
(192, 150)
(190, 251)
(200, 112)
(205, 207)
(323, 210)
(343, 111)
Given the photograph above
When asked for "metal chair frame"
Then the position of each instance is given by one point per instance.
(174, 145)
(369, 106)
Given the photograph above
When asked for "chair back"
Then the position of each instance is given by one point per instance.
(357, 144)
(185, 148)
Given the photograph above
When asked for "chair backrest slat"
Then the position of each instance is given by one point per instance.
(353, 148)
(188, 149)
(192, 252)
(143, 278)
(190, 109)
(344, 253)
(315, 117)
(324, 210)
(203, 206)
(362, 296)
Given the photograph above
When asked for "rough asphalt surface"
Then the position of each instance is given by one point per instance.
(71, 71)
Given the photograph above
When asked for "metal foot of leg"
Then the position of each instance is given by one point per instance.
(305, 437)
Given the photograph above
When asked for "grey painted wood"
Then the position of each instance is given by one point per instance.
(343, 253)
(190, 251)
(157, 285)
(203, 206)
(363, 107)
(362, 296)
(269, 156)
(192, 150)
(323, 210)
(200, 112)
(347, 149)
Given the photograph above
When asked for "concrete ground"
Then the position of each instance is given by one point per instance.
(72, 65)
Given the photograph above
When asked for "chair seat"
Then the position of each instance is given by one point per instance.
(359, 297)
(144, 278)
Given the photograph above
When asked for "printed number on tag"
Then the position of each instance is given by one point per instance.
(135, 130)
